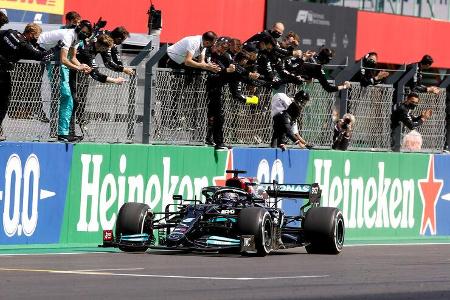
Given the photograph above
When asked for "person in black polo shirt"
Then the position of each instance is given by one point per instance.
(415, 84)
(402, 113)
(13, 47)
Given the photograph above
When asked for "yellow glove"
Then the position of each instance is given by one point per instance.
(252, 100)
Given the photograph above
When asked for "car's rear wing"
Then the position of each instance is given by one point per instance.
(312, 192)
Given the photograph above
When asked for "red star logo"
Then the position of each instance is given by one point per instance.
(220, 180)
(430, 189)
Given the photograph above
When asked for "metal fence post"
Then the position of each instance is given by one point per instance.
(149, 93)
(142, 54)
(345, 75)
(393, 78)
(131, 108)
(445, 84)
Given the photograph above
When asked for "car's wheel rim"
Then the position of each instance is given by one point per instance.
(267, 235)
(339, 232)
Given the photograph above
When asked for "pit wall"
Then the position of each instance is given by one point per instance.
(57, 195)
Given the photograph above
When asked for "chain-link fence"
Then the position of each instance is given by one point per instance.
(316, 120)
(180, 106)
(371, 107)
(180, 109)
(114, 113)
(248, 124)
(26, 118)
(180, 112)
(432, 130)
(108, 112)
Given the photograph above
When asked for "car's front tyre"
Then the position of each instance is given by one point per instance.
(130, 220)
(257, 221)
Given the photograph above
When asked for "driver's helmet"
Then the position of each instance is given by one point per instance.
(228, 198)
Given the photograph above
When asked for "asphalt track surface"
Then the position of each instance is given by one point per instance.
(363, 272)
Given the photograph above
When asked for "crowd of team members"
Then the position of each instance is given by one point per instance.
(269, 59)
(264, 60)
(70, 50)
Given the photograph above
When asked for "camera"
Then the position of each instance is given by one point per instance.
(100, 24)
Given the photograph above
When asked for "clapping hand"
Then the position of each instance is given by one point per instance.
(426, 114)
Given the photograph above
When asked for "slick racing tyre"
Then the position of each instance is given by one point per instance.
(324, 230)
(256, 221)
(130, 220)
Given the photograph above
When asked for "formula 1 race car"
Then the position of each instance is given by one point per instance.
(242, 216)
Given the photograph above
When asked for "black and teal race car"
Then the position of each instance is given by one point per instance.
(242, 216)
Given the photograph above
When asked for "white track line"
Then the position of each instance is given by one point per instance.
(102, 252)
(97, 270)
(164, 276)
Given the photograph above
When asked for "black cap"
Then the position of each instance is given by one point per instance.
(268, 39)
(426, 60)
(250, 47)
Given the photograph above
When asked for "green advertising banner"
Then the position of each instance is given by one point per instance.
(380, 194)
(103, 177)
(384, 197)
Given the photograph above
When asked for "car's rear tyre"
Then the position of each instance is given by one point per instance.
(324, 230)
(256, 221)
(130, 220)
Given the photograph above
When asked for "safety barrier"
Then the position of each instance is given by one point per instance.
(58, 195)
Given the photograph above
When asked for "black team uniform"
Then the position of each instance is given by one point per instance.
(86, 54)
(402, 114)
(13, 47)
(366, 76)
(214, 90)
(283, 123)
(312, 70)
